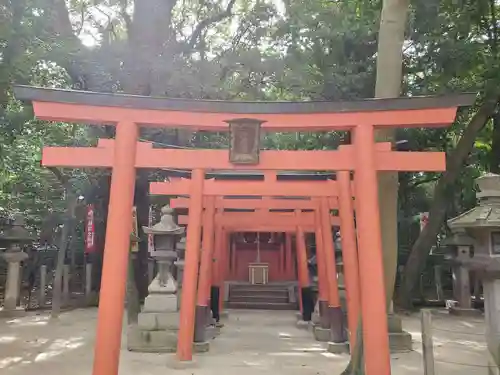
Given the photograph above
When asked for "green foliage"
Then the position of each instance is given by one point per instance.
(234, 50)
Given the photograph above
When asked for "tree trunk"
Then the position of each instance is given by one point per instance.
(389, 77)
(437, 213)
(61, 255)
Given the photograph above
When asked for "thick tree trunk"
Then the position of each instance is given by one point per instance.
(389, 77)
(437, 213)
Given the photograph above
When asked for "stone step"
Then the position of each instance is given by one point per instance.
(261, 305)
(267, 287)
(258, 298)
(263, 293)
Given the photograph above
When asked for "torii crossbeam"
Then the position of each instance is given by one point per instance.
(129, 113)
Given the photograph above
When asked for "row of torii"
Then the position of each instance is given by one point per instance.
(206, 198)
(366, 157)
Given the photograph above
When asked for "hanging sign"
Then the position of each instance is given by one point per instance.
(424, 219)
(89, 230)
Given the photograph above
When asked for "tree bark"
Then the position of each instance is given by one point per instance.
(437, 213)
(389, 77)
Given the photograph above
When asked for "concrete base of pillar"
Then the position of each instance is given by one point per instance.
(12, 313)
(92, 299)
(394, 323)
(224, 314)
(322, 334)
(201, 347)
(161, 341)
(465, 312)
(305, 325)
(174, 363)
(400, 342)
(338, 347)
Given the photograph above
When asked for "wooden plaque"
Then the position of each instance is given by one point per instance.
(245, 141)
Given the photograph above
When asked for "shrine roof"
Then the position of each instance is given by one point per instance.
(39, 94)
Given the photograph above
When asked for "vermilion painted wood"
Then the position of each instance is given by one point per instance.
(349, 255)
(97, 115)
(190, 277)
(252, 204)
(343, 159)
(242, 219)
(371, 271)
(205, 274)
(116, 253)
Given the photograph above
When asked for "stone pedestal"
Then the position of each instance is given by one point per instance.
(322, 334)
(12, 291)
(158, 323)
(338, 347)
(399, 340)
(461, 288)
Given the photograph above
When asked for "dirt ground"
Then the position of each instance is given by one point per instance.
(252, 342)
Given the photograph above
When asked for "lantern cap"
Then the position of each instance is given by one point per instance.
(17, 232)
(487, 213)
(166, 225)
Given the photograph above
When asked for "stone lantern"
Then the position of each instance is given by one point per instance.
(158, 323)
(482, 224)
(13, 238)
(461, 246)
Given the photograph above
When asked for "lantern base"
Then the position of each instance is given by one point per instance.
(12, 313)
(322, 334)
(458, 311)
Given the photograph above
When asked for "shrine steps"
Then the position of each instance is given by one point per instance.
(260, 297)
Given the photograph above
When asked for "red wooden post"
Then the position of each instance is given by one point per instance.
(234, 261)
(281, 260)
(302, 270)
(371, 272)
(116, 252)
(322, 274)
(224, 267)
(349, 254)
(288, 256)
(334, 310)
(204, 279)
(190, 279)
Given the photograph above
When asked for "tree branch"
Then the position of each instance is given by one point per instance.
(126, 17)
(437, 213)
(228, 12)
(423, 181)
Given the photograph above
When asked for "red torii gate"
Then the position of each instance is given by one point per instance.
(264, 221)
(127, 113)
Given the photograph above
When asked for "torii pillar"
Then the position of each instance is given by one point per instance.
(116, 251)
